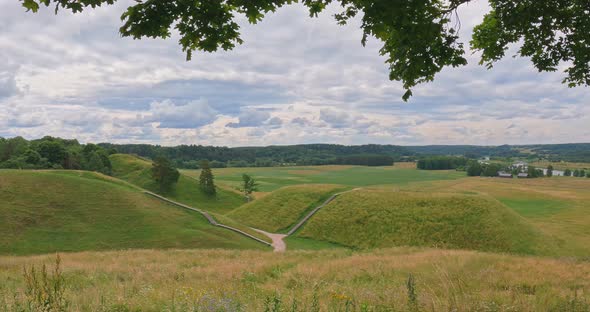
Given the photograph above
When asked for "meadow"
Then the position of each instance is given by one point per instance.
(329, 280)
(468, 243)
(271, 179)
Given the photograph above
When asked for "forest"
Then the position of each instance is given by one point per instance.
(52, 152)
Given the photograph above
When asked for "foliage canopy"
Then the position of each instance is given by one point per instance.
(419, 37)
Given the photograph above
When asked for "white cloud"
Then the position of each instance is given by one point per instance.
(192, 115)
(295, 80)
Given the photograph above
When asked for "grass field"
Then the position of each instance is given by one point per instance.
(215, 280)
(49, 211)
(378, 218)
(137, 171)
(271, 179)
(280, 210)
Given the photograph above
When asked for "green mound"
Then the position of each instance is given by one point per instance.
(280, 210)
(378, 218)
(50, 211)
(138, 172)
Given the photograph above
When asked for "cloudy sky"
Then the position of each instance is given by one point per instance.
(295, 80)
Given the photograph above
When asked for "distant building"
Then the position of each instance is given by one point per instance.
(520, 166)
(522, 175)
(556, 173)
(503, 174)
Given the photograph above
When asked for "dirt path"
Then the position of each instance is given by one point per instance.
(278, 243)
(211, 220)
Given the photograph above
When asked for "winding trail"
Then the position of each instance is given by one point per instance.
(278, 242)
(211, 219)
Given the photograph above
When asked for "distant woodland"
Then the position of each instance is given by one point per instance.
(51, 152)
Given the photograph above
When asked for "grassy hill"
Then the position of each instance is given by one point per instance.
(385, 218)
(281, 209)
(49, 211)
(137, 171)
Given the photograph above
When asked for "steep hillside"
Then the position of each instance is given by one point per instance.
(384, 218)
(49, 211)
(281, 209)
(137, 171)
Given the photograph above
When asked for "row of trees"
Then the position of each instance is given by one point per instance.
(53, 153)
(188, 156)
(441, 163)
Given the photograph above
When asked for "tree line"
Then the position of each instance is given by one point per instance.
(53, 153)
(441, 163)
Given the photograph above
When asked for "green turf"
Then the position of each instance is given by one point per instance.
(379, 218)
(280, 210)
(271, 179)
(299, 243)
(49, 211)
(530, 207)
(137, 171)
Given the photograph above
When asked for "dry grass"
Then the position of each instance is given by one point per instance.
(181, 280)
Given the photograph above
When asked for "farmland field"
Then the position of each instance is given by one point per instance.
(274, 178)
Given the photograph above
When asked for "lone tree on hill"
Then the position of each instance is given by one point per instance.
(249, 185)
(419, 37)
(206, 182)
(164, 173)
(549, 171)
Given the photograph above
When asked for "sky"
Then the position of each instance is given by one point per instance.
(295, 80)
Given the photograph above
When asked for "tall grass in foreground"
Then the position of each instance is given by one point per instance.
(276, 288)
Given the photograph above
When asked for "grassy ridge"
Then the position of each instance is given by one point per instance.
(383, 218)
(138, 171)
(280, 210)
(48, 211)
(218, 280)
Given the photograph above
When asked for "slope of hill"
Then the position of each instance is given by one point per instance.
(384, 218)
(137, 171)
(281, 209)
(49, 211)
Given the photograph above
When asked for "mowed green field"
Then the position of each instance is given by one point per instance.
(59, 211)
(271, 179)
(138, 172)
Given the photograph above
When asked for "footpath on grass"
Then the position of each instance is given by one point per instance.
(210, 218)
(278, 242)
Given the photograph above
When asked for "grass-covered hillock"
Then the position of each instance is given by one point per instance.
(137, 171)
(281, 209)
(385, 218)
(49, 211)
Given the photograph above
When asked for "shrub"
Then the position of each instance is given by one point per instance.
(44, 292)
